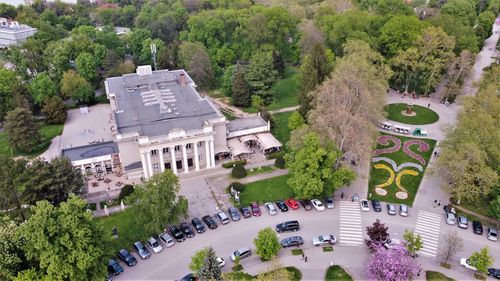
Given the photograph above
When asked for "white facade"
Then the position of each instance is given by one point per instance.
(13, 33)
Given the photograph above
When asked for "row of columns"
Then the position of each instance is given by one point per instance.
(147, 164)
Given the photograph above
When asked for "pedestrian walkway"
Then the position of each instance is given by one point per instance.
(351, 233)
(428, 225)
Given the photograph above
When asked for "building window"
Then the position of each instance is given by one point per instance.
(156, 167)
(165, 150)
(154, 152)
(177, 148)
(189, 146)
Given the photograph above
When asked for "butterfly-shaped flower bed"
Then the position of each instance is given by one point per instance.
(397, 167)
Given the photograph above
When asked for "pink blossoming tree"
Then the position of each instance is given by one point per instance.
(392, 264)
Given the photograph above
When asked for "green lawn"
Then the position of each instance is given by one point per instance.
(240, 275)
(436, 276)
(260, 170)
(336, 272)
(280, 129)
(410, 183)
(48, 132)
(128, 231)
(424, 115)
(266, 190)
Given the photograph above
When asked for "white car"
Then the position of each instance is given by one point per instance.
(363, 203)
(220, 261)
(318, 205)
(327, 239)
(392, 243)
(167, 239)
(270, 208)
(465, 263)
(155, 245)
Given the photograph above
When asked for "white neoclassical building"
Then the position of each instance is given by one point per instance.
(157, 121)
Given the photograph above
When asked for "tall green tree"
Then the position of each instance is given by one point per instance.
(197, 261)
(22, 131)
(42, 87)
(210, 269)
(267, 244)
(55, 110)
(413, 242)
(261, 74)
(65, 241)
(399, 33)
(317, 65)
(76, 87)
(200, 69)
(86, 66)
(240, 89)
(156, 203)
(464, 34)
(484, 25)
(8, 80)
(12, 188)
(482, 260)
(465, 10)
(12, 259)
(311, 165)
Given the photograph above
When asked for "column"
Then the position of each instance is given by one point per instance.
(185, 158)
(212, 153)
(103, 167)
(162, 161)
(173, 164)
(196, 160)
(207, 154)
(150, 164)
(144, 166)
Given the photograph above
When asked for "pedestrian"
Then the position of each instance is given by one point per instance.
(435, 203)
(439, 203)
(435, 153)
(305, 260)
(342, 195)
(428, 105)
(303, 255)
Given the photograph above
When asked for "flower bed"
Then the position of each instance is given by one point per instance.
(398, 167)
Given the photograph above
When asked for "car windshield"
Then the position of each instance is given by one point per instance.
(321, 239)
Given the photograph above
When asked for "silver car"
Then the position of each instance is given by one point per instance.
(463, 222)
(270, 208)
(327, 239)
(222, 217)
(450, 218)
(492, 234)
(391, 209)
(403, 210)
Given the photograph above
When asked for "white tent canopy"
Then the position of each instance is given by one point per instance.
(267, 141)
(248, 138)
(237, 147)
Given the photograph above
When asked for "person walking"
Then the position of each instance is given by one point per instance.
(428, 105)
(342, 195)
(305, 260)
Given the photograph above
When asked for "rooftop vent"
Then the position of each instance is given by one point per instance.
(144, 70)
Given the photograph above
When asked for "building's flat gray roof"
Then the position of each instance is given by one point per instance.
(245, 123)
(154, 104)
(134, 166)
(91, 151)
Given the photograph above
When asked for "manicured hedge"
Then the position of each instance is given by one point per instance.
(238, 171)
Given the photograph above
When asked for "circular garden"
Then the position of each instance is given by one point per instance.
(410, 114)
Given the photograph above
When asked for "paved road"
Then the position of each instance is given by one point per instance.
(173, 262)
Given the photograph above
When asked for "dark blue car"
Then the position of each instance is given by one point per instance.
(114, 268)
(127, 258)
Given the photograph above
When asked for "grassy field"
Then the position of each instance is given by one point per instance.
(48, 132)
(436, 276)
(410, 183)
(128, 231)
(424, 115)
(280, 129)
(240, 275)
(336, 272)
(266, 190)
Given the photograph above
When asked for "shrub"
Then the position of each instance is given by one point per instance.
(237, 186)
(231, 164)
(238, 171)
(276, 154)
(126, 191)
(279, 162)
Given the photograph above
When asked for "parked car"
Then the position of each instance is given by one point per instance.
(210, 222)
(281, 205)
(189, 277)
(176, 233)
(288, 226)
(198, 225)
(450, 218)
(242, 253)
(167, 240)
(403, 210)
(477, 227)
(463, 222)
(292, 204)
(127, 258)
(326, 239)
(391, 209)
(377, 207)
(246, 212)
(222, 217)
(391, 243)
(492, 234)
(465, 263)
(114, 267)
(142, 251)
(318, 205)
(220, 261)
(329, 202)
(363, 203)
(154, 245)
(292, 241)
(305, 203)
(494, 272)
(255, 209)
(186, 229)
(233, 213)
(270, 208)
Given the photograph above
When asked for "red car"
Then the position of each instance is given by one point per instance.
(255, 209)
(292, 204)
